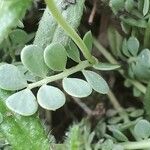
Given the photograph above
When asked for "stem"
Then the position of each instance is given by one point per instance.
(128, 125)
(117, 106)
(69, 30)
(112, 60)
(138, 85)
(136, 145)
(67, 72)
(83, 106)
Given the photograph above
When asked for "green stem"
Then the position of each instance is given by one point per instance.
(69, 30)
(117, 106)
(112, 60)
(138, 85)
(67, 72)
(145, 144)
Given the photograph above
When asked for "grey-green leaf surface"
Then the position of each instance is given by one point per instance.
(88, 40)
(18, 36)
(77, 87)
(24, 132)
(96, 81)
(142, 129)
(133, 45)
(147, 101)
(118, 135)
(55, 56)
(50, 98)
(116, 5)
(125, 50)
(129, 5)
(140, 23)
(73, 52)
(32, 57)
(10, 13)
(106, 66)
(146, 7)
(22, 102)
(115, 41)
(49, 31)
(11, 78)
(118, 147)
(140, 68)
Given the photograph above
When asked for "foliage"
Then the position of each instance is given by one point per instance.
(11, 14)
(28, 68)
(52, 57)
(21, 132)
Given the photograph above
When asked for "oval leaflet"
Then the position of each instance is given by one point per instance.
(11, 78)
(23, 103)
(50, 98)
(55, 57)
(76, 87)
(96, 81)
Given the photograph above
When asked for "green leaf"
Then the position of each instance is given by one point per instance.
(136, 92)
(49, 31)
(115, 120)
(1, 118)
(116, 5)
(147, 101)
(88, 40)
(11, 78)
(115, 41)
(133, 45)
(134, 22)
(24, 132)
(129, 5)
(125, 27)
(18, 36)
(146, 7)
(125, 48)
(23, 103)
(50, 98)
(55, 56)
(140, 68)
(96, 81)
(76, 87)
(106, 66)
(118, 147)
(142, 129)
(107, 145)
(118, 135)
(137, 113)
(73, 52)
(10, 13)
(33, 59)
